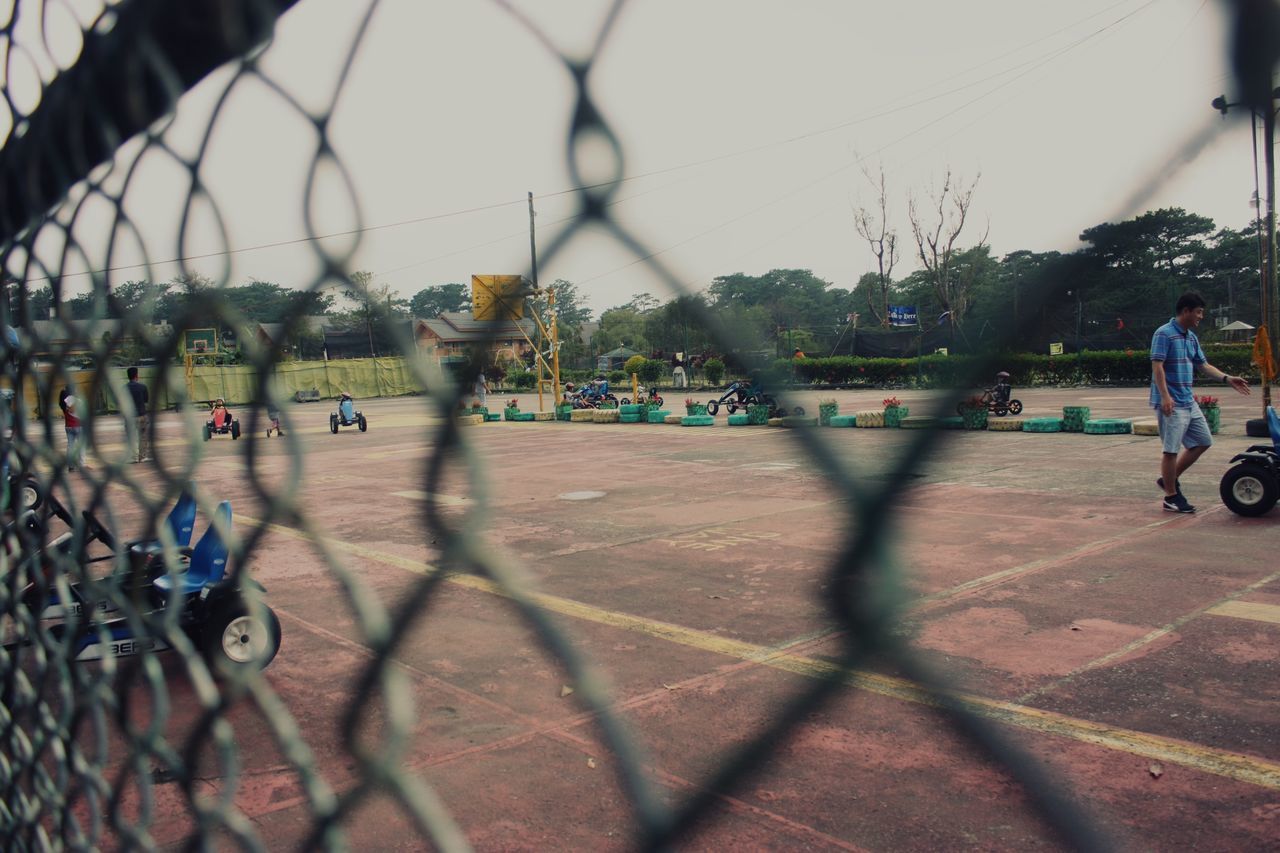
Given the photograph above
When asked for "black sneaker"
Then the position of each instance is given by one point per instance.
(1177, 484)
(1178, 503)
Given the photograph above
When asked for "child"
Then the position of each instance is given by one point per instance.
(1002, 389)
(75, 447)
(273, 415)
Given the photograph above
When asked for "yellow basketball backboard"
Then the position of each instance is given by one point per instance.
(498, 297)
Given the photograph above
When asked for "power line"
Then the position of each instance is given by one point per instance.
(1043, 61)
(652, 173)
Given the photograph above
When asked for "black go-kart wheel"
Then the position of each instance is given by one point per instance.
(798, 411)
(1249, 489)
(235, 430)
(364, 425)
(625, 401)
(333, 424)
(26, 495)
(239, 638)
(656, 399)
(713, 406)
(208, 432)
(1015, 407)
(1001, 411)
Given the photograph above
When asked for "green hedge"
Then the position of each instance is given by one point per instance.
(1094, 367)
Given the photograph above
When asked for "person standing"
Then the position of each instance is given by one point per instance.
(677, 371)
(482, 388)
(139, 422)
(75, 447)
(1175, 356)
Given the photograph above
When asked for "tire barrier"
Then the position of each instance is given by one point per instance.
(1074, 418)
(1042, 425)
(1108, 426)
(1005, 425)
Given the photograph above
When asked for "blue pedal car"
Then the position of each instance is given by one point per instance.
(233, 632)
(1251, 486)
(347, 415)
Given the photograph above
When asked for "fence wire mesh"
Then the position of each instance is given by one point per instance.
(90, 754)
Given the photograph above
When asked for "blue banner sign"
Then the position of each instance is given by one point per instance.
(903, 315)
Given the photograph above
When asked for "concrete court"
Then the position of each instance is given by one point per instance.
(1134, 653)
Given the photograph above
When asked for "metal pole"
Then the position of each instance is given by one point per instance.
(533, 248)
(1269, 292)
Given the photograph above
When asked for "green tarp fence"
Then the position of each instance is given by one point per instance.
(238, 384)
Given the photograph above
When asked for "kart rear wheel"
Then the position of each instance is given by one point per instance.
(1001, 411)
(626, 401)
(239, 638)
(364, 425)
(1249, 489)
(731, 408)
(208, 432)
(1015, 407)
(235, 430)
(713, 406)
(333, 424)
(27, 495)
(798, 411)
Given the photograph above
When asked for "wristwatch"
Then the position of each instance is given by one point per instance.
(1226, 379)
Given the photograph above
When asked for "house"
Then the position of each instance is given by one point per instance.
(449, 336)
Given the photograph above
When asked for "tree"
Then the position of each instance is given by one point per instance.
(571, 313)
(936, 233)
(883, 240)
(435, 300)
(375, 310)
(643, 303)
(622, 327)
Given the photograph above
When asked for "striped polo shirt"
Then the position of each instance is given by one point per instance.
(1180, 351)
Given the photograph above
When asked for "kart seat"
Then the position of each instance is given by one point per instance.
(1273, 424)
(208, 559)
(182, 519)
(219, 418)
(347, 408)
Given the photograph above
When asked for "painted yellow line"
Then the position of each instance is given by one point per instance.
(1248, 610)
(1149, 638)
(1232, 765)
(446, 500)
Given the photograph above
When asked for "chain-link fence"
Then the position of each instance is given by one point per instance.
(87, 758)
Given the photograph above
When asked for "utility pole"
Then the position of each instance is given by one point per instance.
(1268, 298)
(533, 247)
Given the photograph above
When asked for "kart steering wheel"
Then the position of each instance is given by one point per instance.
(97, 530)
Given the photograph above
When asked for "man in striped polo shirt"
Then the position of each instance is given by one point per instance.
(1175, 355)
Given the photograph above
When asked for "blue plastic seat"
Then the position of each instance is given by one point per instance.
(348, 409)
(208, 559)
(1273, 424)
(182, 519)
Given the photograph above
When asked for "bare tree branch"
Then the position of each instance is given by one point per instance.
(936, 242)
(883, 240)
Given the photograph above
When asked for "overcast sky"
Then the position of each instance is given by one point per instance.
(772, 108)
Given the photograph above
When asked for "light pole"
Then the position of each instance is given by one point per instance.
(1267, 277)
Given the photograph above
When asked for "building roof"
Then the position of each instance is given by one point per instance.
(459, 326)
(620, 352)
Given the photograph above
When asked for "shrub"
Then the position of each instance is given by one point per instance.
(522, 379)
(651, 370)
(714, 370)
(617, 377)
(633, 365)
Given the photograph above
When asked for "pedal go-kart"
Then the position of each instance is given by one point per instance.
(997, 399)
(591, 395)
(221, 422)
(649, 395)
(1252, 486)
(232, 632)
(347, 415)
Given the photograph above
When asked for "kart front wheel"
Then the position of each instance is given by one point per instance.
(208, 432)
(364, 425)
(333, 424)
(713, 406)
(1249, 489)
(798, 411)
(240, 638)
(1001, 411)
(1015, 406)
(235, 430)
